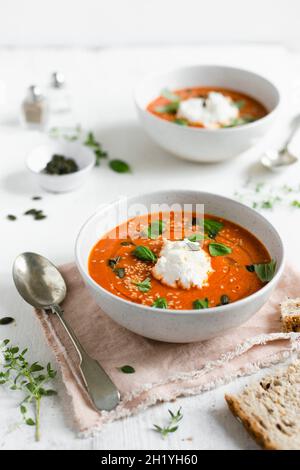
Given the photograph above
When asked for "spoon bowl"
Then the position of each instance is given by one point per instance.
(38, 281)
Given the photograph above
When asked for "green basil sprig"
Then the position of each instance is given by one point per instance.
(143, 286)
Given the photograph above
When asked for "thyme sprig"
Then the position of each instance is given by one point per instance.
(172, 426)
(18, 374)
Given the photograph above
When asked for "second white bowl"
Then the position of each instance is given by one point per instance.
(207, 145)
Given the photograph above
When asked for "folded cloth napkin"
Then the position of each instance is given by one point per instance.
(163, 371)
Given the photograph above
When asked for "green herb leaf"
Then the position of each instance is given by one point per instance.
(265, 271)
(143, 286)
(21, 376)
(174, 420)
(212, 227)
(295, 204)
(94, 145)
(239, 104)
(119, 166)
(169, 95)
(156, 228)
(127, 369)
(160, 302)
(219, 249)
(6, 320)
(181, 122)
(30, 422)
(196, 237)
(144, 253)
(199, 304)
(169, 108)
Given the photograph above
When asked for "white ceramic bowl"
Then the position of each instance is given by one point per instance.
(207, 145)
(182, 325)
(40, 156)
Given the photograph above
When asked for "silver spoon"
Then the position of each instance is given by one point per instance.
(279, 159)
(40, 283)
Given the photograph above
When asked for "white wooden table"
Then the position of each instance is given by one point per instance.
(101, 84)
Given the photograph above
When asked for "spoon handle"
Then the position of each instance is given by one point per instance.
(101, 389)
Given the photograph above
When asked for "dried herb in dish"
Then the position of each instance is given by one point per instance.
(60, 165)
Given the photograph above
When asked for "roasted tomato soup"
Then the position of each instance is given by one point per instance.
(207, 107)
(214, 263)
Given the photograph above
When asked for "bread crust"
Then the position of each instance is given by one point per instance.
(251, 425)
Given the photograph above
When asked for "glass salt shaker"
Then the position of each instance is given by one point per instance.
(34, 110)
(58, 95)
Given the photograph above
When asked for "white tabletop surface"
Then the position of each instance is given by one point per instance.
(100, 83)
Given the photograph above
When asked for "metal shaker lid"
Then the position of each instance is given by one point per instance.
(57, 80)
(34, 93)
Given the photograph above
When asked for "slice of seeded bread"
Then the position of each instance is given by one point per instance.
(290, 315)
(270, 409)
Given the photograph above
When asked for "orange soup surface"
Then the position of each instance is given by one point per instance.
(165, 106)
(114, 266)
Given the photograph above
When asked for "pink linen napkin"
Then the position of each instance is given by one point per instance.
(164, 371)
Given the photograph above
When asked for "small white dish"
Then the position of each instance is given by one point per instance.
(178, 326)
(40, 156)
(207, 145)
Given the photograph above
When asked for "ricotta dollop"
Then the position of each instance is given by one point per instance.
(182, 264)
(214, 111)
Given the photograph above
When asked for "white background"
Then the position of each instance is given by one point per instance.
(126, 22)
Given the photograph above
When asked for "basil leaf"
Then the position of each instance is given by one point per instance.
(127, 369)
(119, 166)
(218, 249)
(156, 228)
(160, 302)
(144, 253)
(143, 286)
(199, 304)
(239, 104)
(196, 237)
(169, 108)
(169, 95)
(212, 227)
(181, 122)
(265, 271)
